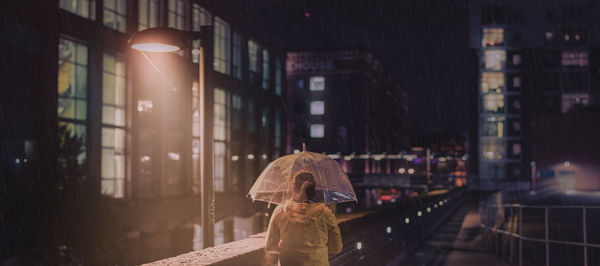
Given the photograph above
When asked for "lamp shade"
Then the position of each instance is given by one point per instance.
(158, 40)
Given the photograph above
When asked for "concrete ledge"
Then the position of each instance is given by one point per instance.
(248, 251)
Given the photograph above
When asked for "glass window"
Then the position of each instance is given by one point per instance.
(492, 126)
(575, 58)
(219, 163)
(221, 50)
(515, 82)
(253, 50)
(492, 149)
(317, 131)
(177, 14)
(574, 81)
(277, 132)
(317, 107)
(492, 82)
(115, 14)
(237, 56)
(492, 37)
(196, 170)
(493, 103)
(514, 149)
(265, 70)
(514, 127)
(174, 165)
(148, 14)
(495, 59)
(514, 104)
(317, 83)
(220, 115)
(113, 126)
(72, 90)
(571, 99)
(278, 77)
(84, 8)
(236, 102)
(251, 117)
(492, 15)
(264, 122)
(200, 17)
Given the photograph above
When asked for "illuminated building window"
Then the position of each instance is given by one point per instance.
(317, 131)
(492, 82)
(236, 118)
(516, 82)
(493, 126)
(574, 58)
(492, 149)
(176, 14)
(514, 104)
(220, 115)
(113, 126)
(492, 37)
(514, 127)
(196, 171)
(265, 70)
(515, 150)
(571, 99)
(220, 138)
(72, 90)
(251, 117)
(222, 53)
(148, 14)
(200, 17)
(264, 122)
(115, 14)
(237, 56)
(495, 59)
(317, 107)
(516, 59)
(493, 103)
(219, 164)
(253, 50)
(278, 77)
(83, 8)
(317, 83)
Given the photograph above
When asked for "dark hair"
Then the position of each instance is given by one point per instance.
(304, 186)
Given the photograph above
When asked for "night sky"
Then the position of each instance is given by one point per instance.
(422, 45)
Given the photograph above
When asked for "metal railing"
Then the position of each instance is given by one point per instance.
(494, 219)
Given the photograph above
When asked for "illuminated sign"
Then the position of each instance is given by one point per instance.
(311, 66)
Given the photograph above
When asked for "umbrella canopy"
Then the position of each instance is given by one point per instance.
(274, 183)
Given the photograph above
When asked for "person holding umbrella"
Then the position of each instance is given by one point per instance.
(303, 230)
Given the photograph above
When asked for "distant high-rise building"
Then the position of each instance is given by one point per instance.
(534, 57)
(341, 102)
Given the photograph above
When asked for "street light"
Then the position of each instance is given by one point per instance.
(172, 40)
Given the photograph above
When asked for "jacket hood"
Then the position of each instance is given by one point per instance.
(305, 213)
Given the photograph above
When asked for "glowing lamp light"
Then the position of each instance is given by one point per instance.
(428, 209)
(250, 156)
(435, 205)
(402, 170)
(407, 220)
(359, 245)
(264, 156)
(388, 230)
(411, 171)
(296, 151)
(379, 202)
(441, 203)
(235, 158)
(419, 213)
(567, 164)
(155, 47)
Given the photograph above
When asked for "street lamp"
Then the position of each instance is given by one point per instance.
(171, 40)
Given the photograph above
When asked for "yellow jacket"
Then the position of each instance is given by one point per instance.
(303, 234)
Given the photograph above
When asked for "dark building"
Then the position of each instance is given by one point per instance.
(341, 102)
(66, 64)
(536, 59)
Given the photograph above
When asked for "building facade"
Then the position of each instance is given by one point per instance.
(67, 65)
(342, 103)
(535, 57)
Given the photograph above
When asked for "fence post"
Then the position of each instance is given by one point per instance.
(510, 237)
(585, 246)
(547, 236)
(520, 236)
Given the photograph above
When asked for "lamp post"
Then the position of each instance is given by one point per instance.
(171, 40)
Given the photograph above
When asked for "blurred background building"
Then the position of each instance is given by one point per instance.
(537, 60)
(343, 103)
(67, 64)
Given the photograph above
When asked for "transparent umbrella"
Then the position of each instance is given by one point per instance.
(274, 183)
